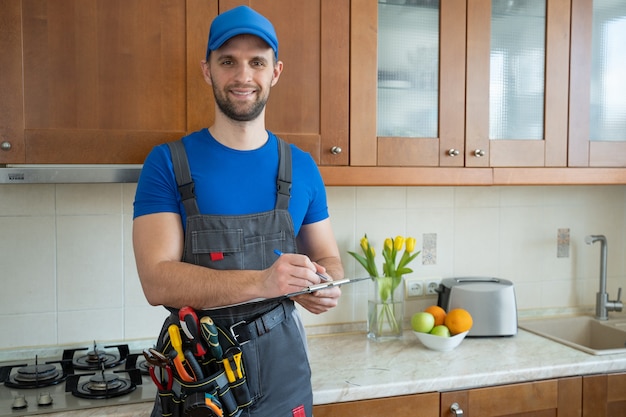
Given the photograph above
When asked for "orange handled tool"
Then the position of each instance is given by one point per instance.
(177, 356)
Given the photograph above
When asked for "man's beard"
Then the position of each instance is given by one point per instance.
(230, 110)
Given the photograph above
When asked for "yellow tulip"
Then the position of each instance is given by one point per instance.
(364, 244)
(388, 244)
(410, 244)
(398, 243)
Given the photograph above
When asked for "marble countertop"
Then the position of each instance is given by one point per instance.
(349, 367)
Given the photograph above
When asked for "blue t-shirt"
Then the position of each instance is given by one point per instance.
(231, 182)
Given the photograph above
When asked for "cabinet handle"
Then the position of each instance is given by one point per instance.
(335, 150)
(478, 153)
(456, 410)
(453, 152)
(5, 146)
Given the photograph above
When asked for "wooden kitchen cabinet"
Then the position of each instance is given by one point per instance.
(604, 395)
(551, 149)
(309, 105)
(463, 108)
(602, 152)
(555, 397)
(416, 405)
(87, 81)
(368, 149)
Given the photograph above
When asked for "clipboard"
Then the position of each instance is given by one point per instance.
(323, 286)
(307, 290)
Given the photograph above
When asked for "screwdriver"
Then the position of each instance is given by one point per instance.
(209, 332)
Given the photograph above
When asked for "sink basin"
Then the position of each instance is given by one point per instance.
(582, 332)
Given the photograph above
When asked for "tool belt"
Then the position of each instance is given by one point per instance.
(211, 380)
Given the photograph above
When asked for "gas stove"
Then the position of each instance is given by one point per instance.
(86, 377)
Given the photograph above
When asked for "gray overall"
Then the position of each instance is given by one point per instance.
(270, 334)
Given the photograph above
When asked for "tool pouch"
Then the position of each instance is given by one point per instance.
(209, 396)
(170, 404)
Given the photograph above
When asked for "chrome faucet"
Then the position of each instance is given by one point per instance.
(603, 304)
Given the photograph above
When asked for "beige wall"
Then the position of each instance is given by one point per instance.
(68, 274)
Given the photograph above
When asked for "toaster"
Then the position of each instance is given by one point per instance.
(490, 301)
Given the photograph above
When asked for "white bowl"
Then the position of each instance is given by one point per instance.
(440, 343)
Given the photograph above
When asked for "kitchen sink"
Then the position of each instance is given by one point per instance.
(582, 332)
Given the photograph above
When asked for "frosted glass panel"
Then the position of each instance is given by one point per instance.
(408, 69)
(517, 69)
(608, 71)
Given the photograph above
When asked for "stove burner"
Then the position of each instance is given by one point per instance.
(104, 382)
(36, 373)
(35, 376)
(103, 385)
(95, 359)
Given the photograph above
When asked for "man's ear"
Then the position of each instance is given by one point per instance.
(278, 69)
(206, 72)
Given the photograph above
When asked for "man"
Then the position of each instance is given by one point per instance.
(250, 226)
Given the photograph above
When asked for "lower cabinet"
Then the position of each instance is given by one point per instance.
(604, 395)
(416, 405)
(550, 398)
(555, 397)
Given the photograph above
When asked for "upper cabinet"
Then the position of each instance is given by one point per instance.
(407, 78)
(460, 83)
(309, 105)
(97, 82)
(597, 105)
(517, 89)
(88, 81)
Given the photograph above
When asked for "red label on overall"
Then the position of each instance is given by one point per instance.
(217, 256)
(298, 411)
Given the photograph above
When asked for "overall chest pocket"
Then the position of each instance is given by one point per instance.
(233, 249)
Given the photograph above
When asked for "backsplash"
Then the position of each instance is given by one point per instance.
(68, 273)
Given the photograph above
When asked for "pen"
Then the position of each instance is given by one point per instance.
(322, 277)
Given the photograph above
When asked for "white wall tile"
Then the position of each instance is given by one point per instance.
(85, 199)
(90, 258)
(143, 322)
(28, 330)
(27, 265)
(86, 326)
(27, 200)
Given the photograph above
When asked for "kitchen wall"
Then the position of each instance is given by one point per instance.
(68, 273)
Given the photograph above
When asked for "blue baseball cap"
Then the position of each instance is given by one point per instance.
(238, 21)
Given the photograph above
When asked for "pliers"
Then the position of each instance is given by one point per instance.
(163, 384)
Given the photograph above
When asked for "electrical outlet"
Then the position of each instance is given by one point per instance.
(413, 287)
(430, 286)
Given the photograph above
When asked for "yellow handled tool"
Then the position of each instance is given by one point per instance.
(232, 364)
(179, 358)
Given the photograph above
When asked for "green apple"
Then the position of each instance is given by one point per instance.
(440, 330)
(422, 322)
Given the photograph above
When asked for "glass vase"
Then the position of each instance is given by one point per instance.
(385, 312)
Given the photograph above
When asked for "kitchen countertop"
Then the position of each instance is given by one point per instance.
(348, 367)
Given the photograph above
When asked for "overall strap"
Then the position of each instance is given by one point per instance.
(283, 183)
(186, 186)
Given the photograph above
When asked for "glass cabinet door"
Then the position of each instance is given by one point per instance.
(408, 69)
(517, 64)
(407, 82)
(598, 84)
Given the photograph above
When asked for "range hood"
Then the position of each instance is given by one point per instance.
(68, 174)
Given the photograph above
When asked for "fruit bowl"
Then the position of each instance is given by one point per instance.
(442, 344)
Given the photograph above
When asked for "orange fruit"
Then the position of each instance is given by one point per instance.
(438, 312)
(458, 321)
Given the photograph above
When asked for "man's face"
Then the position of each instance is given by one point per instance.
(241, 72)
